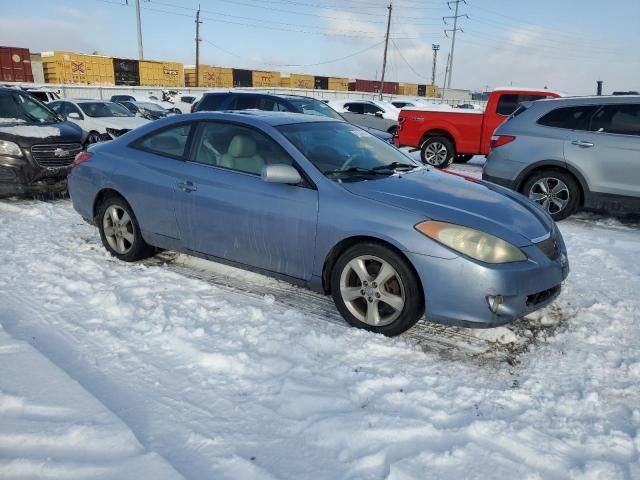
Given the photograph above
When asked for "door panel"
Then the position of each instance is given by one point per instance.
(239, 217)
(609, 162)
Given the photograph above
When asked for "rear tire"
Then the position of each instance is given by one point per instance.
(119, 230)
(367, 276)
(556, 191)
(462, 158)
(437, 152)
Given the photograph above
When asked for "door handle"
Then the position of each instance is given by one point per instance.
(187, 186)
(582, 143)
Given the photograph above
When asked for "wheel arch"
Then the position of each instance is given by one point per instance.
(554, 165)
(346, 243)
(438, 132)
(102, 195)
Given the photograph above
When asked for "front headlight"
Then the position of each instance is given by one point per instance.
(9, 148)
(473, 243)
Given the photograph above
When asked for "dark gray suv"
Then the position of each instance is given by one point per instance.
(571, 153)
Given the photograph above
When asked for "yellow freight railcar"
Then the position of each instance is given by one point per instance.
(210, 77)
(68, 67)
(161, 74)
(408, 89)
(432, 91)
(337, 83)
(296, 80)
(262, 78)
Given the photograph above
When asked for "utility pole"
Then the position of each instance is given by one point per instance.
(435, 49)
(386, 45)
(446, 72)
(140, 52)
(198, 40)
(455, 29)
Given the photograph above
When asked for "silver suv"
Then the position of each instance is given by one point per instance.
(571, 153)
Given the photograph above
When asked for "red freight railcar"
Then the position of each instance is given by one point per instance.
(373, 86)
(15, 65)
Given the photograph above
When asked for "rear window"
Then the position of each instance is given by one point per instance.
(508, 103)
(212, 102)
(571, 118)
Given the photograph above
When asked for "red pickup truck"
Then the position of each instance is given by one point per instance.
(444, 134)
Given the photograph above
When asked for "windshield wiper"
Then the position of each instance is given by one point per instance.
(357, 171)
(396, 166)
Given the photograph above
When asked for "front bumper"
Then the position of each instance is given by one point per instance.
(19, 176)
(456, 291)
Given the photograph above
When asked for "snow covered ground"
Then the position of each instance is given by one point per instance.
(113, 370)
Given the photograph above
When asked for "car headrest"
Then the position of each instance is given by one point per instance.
(624, 122)
(242, 146)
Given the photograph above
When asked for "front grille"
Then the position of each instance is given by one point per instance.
(7, 174)
(543, 296)
(550, 247)
(55, 154)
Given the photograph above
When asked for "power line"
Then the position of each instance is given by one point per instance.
(454, 30)
(406, 62)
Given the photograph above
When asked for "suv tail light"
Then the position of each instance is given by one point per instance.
(499, 140)
(81, 158)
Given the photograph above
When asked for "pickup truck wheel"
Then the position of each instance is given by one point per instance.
(462, 158)
(437, 152)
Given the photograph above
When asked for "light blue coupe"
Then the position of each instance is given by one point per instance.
(323, 204)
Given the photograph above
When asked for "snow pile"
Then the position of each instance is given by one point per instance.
(223, 384)
(11, 120)
(32, 131)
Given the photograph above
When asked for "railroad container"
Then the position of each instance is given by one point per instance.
(408, 89)
(432, 91)
(321, 83)
(301, 81)
(210, 77)
(422, 90)
(373, 86)
(126, 71)
(68, 67)
(242, 78)
(263, 78)
(336, 83)
(15, 65)
(161, 74)
(36, 68)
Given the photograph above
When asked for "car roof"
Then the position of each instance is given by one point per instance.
(590, 100)
(260, 116)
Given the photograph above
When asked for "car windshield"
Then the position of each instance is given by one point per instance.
(104, 109)
(311, 106)
(154, 107)
(21, 108)
(344, 152)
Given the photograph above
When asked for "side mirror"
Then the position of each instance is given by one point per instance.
(73, 116)
(281, 173)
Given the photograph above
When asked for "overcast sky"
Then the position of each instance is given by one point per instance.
(563, 44)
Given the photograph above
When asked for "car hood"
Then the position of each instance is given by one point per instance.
(120, 123)
(464, 201)
(27, 135)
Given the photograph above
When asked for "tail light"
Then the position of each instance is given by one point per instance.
(499, 140)
(81, 158)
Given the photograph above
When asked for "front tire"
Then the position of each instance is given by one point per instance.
(557, 192)
(119, 230)
(437, 152)
(374, 288)
(93, 137)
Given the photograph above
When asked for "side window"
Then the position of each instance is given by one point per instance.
(508, 103)
(187, 99)
(372, 109)
(621, 119)
(170, 142)
(236, 147)
(56, 107)
(244, 102)
(572, 118)
(71, 108)
(212, 102)
(354, 107)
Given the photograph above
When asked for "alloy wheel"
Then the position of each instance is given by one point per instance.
(118, 229)
(435, 154)
(372, 290)
(552, 193)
